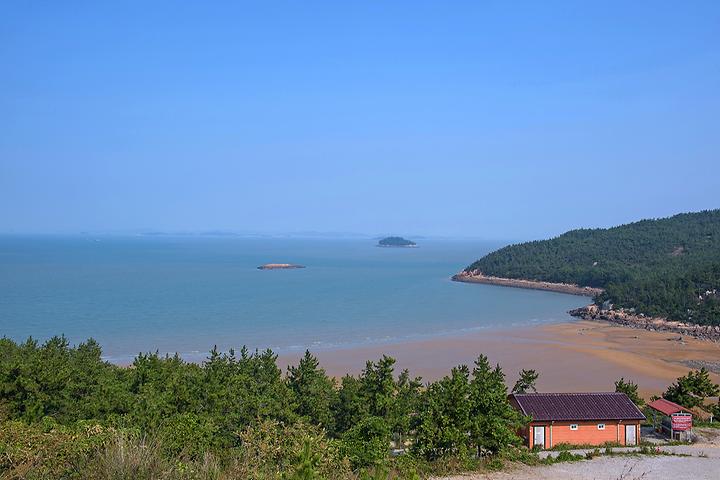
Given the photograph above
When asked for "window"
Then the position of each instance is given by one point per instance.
(573, 426)
(601, 426)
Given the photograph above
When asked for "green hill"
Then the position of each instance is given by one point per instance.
(666, 267)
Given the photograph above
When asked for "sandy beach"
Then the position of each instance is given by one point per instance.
(573, 356)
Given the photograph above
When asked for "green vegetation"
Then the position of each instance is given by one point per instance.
(691, 390)
(563, 456)
(396, 242)
(630, 389)
(526, 382)
(466, 413)
(668, 267)
(65, 413)
(582, 446)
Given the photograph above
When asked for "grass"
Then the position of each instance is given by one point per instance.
(706, 424)
(586, 446)
(666, 443)
(563, 456)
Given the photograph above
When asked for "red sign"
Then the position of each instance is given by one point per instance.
(681, 422)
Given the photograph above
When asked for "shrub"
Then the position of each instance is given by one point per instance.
(563, 456)
(408, 467)
(308, 461)
(47, 450)
(377, 473)
(566, 456)
(494, 464)
(127, 457)
(270, 449)
(188, 435)
(522, 455)
(367, 443)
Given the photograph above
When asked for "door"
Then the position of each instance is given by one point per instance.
(630, 434)
(539, 437)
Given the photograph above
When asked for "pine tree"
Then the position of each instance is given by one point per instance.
(526, 382)
(493, 421)
(314, 391)
(691, 390)
(444, 418)
(630, 389)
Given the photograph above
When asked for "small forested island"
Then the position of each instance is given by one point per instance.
(666, 268)
(279, 266)
(396, 242)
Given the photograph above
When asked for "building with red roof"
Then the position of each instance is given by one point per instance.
(579, 418)
(674, 420)
(667, 407)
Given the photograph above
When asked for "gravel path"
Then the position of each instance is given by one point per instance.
(703, 464)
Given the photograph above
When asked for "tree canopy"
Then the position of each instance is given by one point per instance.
(667, 267)
(630, 389)
(691, 390)
(241, 408)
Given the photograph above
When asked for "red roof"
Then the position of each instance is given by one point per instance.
(545, 407)
(666, 406)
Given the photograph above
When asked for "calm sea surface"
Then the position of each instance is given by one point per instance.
(186, 294)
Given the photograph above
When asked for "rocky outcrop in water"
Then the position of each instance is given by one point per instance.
(279, 266)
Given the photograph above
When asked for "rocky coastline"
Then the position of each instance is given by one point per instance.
(475, 276)
(640, 321)
(593, 312)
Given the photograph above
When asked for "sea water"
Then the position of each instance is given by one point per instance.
(186, 294)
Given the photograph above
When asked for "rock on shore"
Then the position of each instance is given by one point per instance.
(279, 266)
(632, 320)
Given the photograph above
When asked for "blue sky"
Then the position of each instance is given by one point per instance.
(506, 120)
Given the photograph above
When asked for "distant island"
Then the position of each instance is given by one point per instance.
(279, 266)
(396, 242)
(664, 268)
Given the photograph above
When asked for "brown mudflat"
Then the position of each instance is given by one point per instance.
(573, 356)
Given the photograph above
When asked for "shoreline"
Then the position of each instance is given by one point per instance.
(593, 312)
(630, 320)
(477, 277)
(571, 356)
(581, 355)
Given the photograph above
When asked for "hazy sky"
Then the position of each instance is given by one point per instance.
(484, 118)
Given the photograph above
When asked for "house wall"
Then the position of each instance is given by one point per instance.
(586, 434)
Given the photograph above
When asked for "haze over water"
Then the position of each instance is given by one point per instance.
(186, 294)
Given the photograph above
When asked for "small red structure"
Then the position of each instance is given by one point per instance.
(676, 420)
(579, 418)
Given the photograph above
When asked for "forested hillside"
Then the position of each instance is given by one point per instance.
(666, 267)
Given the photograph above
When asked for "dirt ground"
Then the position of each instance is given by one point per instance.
(700, 461)
(614, 468)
